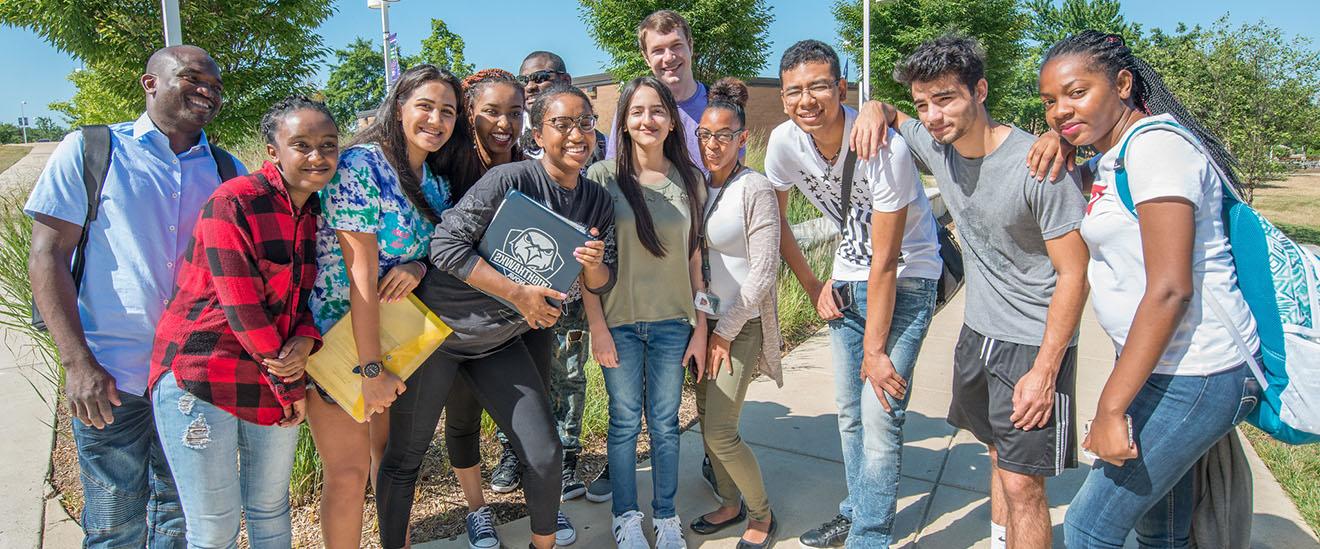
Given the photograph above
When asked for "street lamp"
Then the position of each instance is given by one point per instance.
(22, 118)
(169, 13)
(864, 84)
(384, 7)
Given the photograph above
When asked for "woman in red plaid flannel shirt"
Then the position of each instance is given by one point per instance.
(227, 367)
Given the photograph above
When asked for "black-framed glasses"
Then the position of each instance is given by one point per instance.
(817, 89)
(565, 124)
(539, 76)
(723, 137)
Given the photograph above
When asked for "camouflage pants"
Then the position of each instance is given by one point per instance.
(568, 377)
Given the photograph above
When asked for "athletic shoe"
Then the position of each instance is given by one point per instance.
(628, 531)
(708, 473)
(481, 529)
(600, 489)
(830, 534)
(564, 533)
(669, 533)
(571, 486)
(508, 474)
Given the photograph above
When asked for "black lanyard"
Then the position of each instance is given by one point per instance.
(705, 220)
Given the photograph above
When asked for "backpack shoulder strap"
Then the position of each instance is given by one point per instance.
(96, 155)
(845, 193)
(224, 163)
(1121, 185)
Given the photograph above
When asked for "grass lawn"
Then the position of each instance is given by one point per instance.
(1293, 205)
(9, 154)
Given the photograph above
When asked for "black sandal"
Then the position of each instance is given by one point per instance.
(704, 527)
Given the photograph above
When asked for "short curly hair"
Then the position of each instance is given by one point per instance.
(952, 53)
(270, 122)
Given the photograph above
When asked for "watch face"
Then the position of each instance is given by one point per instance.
(371, 369)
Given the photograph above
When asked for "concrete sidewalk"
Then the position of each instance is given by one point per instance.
(944, 501)
(19, 178)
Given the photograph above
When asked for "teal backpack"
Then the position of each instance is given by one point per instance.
(1280, 281)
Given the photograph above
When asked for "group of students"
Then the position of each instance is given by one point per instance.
(186, 339)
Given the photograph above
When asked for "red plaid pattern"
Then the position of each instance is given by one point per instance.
(242, 292)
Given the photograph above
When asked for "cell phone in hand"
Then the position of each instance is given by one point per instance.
(843, 296)
(1086, 431)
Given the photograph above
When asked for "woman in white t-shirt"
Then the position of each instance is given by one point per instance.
(1180, 382)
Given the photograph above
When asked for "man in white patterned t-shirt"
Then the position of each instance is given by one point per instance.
(881, 295)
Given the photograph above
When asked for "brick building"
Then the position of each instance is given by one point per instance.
(765, 109)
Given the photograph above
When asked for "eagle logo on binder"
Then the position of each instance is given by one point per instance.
(531, 256)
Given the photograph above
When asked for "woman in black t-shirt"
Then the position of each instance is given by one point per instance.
(485, 347)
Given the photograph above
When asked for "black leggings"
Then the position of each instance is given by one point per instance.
(463, 411)
(507, 384)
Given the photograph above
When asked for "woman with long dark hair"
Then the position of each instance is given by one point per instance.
(380, 210)
(487, 348)
(1164, 289)
(646, 328)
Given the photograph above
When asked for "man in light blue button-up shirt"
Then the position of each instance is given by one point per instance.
(161, 173)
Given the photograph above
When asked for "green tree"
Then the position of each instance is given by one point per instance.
(10, 133)
(357, 81)
(1050, 22)
(899, 26)
(43, 127)
(444, 49)
(266, 50)
(1255, 87)
(729, 36)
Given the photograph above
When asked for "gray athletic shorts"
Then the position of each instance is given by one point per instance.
(985, 372)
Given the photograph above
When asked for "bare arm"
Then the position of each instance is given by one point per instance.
(91, 390)
(1033, 396)
(881, 290)
(1167, 237)
(797, 262)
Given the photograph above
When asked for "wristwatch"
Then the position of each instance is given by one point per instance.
(371, 369)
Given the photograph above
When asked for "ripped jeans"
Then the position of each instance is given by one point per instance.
(225, 469)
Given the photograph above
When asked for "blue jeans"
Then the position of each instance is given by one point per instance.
(129, 499)
(649, 380)
(873, 438)
(1175, 420)
(226, 468)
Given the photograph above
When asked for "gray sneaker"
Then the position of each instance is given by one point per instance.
(600, 489)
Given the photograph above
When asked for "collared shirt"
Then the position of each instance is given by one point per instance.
(242, 294)
(148, 208)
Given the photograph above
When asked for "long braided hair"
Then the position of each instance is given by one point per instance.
(387, 132)
(1110, 54)
(675, 150)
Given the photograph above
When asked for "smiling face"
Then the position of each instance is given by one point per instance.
(1083, 104)
(669, 55)
(715, 155)
(497, 117)
(183, 89)
(947, 107)
(570, 150)
(306, 150)
(540, 65)
(648, 120)
(428, 115)
(812, 95)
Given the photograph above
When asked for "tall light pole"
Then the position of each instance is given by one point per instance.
(384, 7)
(864, 84)
(169, 14)
(22, 117)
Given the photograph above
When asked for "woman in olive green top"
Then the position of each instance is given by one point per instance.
(646, 328)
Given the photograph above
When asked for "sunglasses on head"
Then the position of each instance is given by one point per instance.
(539, 76)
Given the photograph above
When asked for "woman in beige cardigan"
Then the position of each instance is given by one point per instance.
(740, 243)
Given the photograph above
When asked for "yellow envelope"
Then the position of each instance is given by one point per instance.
(409, 333)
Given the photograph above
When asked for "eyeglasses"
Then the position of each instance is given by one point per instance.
(817, 89)
(565, 124)
(539, 76)
(722, 137)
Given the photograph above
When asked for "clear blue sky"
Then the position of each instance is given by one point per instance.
(36, 72)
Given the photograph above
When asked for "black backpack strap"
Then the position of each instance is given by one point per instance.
(845, 194)
(224, 163)
(96, 166)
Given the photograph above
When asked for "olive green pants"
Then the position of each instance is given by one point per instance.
(719, 405)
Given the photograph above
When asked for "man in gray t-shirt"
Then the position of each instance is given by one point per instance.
(1014, 365)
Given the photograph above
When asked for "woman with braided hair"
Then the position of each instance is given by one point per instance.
(1164, 289)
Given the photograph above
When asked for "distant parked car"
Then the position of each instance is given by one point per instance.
(43, 140)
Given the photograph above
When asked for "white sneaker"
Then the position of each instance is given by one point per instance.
(628, 531)
(669, 533)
